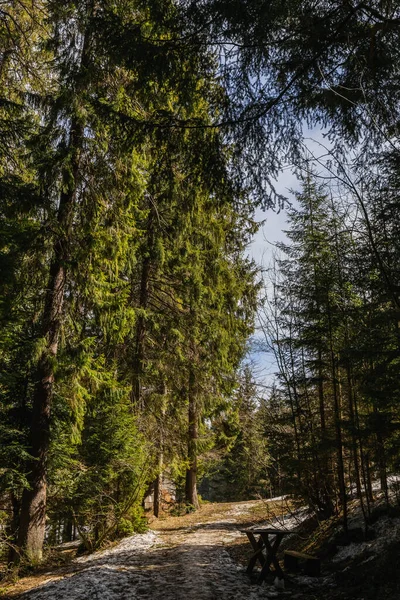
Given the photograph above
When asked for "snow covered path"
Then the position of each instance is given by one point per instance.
(185, 561)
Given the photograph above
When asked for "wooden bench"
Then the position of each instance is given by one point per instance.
(270, 546)
(310, 564)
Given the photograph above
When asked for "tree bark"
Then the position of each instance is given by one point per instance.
(370, 491)
(381, 456)
(67, 530)
(157, 491)
(338, 426)
(158, 481)
(33, 503)
(13, 528)
(139, 352)
(191, 472)
(350, 395)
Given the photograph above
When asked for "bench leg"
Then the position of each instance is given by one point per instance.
(271, 558)
(258, 554)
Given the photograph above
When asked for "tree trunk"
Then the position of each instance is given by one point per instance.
(140, 338)
(158, 482)
(139, 353)
(350, 395)
(12, 530)
(33, 504)
(327, 492)
(362, 455)
(191, 472)
(381, 456)
(157, 491)
(339, 444)
(67, 535)
(321, 395)
(338, 425)
(280, 359)
(370, 491)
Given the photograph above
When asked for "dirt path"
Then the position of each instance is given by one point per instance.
(185, 558)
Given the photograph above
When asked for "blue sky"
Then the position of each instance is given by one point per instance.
(271, 232)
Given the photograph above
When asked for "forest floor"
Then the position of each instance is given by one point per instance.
(203, 556)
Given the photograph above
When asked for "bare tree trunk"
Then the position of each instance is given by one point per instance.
(327, 479)
(33, 503)
(362, 456)
(144, 293)
(293, 401)
(33, 507)
(353, 435)
(321, 394)
(381, 456)
(191, 472)
(369, 478)
(12, 532)
(157, 495)
(339, 440)
(67, 530)
(158, 481)
(338, 425)
(138, 359)
(322, 500)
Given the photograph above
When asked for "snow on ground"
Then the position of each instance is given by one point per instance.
(135, 543)
(387, 530)
(287, 522)
(97, 575)
(188, 562)
(277, 499)
(292, 520)
(392, 480)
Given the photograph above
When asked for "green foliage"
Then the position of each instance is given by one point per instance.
(241, 468)
(123, 273)
(333, 328)
(99, 482)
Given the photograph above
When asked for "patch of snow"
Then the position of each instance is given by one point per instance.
(242, 508)
(351, 551)
(387, 530)
(392, 481)
(286, 522)
(305, 581)
(293, 519)
(191, 563)
(271, 593)
(276, 499)
(133, 544)
(368, 560)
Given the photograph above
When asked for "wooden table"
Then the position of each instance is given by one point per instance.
(270, 546)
